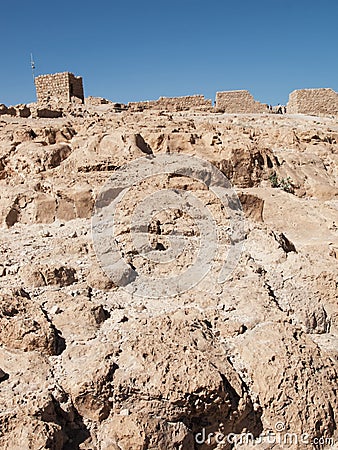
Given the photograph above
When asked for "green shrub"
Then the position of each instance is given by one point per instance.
(282, 183)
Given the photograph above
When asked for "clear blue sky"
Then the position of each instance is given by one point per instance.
(139, 50)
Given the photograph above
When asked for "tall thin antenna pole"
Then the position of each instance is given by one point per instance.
(33, 67)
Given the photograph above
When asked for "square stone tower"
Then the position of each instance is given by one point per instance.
(59, 87)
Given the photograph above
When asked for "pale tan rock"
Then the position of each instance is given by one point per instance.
(90, 385)
(36, 413)
(24, 325)
(272, 353)
(132, 433)
(90, 362)
(45, 274)
(45, 208)
(84, 203)
(252, 206)
(98, 279)
(32, 277)
(65, 208)
(77, 316)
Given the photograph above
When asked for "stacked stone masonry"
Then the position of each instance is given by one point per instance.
(313, 102)
(192, 102)
(238, 102)
(59, 87)
(64, 87)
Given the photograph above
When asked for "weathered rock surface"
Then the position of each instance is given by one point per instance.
(24, 324)
(85, 364)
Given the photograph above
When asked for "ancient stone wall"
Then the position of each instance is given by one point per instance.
(59, 87)
(238, 102)
(313, 102)
(173, 103)
(140, 106)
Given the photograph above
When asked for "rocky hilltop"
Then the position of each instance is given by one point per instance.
(85, 364)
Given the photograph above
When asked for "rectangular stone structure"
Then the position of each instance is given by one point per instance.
(188, 102)
(63, 87)
(316, 102)
(240, 101)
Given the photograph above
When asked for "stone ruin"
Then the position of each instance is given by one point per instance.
(228, 102)
(313, 102)
(306, 101)
(238, 102)
(59, 88)
(15, 111)
(55, 90)
(189, 102)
